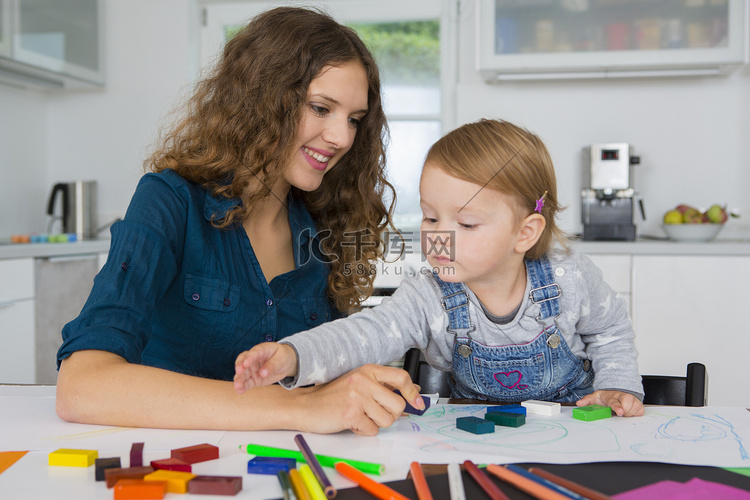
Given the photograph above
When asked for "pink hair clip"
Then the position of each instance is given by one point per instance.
(540, 203)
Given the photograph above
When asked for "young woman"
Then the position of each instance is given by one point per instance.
(243, 233)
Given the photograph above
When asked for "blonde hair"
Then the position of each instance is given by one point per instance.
(498, 155)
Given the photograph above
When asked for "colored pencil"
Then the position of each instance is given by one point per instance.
(298, 486)
(325, 483)
(526, 485)
(324, 460)
(420, 482)
(311, 483)
(545, 482)
(286, 485)
(566, 483)
(485, 482)
(456, 482)
(374, 488)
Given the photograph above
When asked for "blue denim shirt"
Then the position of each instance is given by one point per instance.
(179, 294)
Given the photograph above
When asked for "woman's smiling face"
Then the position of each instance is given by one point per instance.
(336, 104)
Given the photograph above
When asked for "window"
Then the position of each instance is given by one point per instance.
(412, 42)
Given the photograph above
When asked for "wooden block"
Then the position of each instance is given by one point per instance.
(270, 465)
(171, 464)
(592, 412)
(177, 481)
(138, 489)
(111, 476)
(73, 458)
(197, 453)
(100, 464)
(136, 455)
(508, 409)
(506, 419)
(541, 407)
(215, 485)
(475, 425)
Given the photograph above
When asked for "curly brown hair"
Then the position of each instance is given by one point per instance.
(241, 124)
(499, 155)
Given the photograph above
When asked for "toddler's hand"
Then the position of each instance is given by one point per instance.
(622, 403)
(264, 364)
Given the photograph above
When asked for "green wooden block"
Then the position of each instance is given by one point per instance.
(592, 412)
(506, 419)
(475, 425)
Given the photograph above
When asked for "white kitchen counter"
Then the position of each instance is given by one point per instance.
(21, 250)
(663, 247)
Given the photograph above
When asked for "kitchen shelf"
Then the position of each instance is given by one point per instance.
(545, 39)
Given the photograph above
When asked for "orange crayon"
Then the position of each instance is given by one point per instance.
(374, 488)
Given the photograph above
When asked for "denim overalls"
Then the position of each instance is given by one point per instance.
(543, 369)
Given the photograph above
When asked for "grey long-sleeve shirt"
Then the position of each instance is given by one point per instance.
(594, 323)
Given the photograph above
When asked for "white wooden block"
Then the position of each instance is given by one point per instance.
(541, 407)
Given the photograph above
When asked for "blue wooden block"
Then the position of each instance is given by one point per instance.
(410, 409)
(508, 409)
(270, 465)
(475, 425)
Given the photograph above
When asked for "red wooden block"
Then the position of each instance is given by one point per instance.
(138, 489)
(114, 475)
(197, 453)
(171, 464)
(215, 485)
(136, 455)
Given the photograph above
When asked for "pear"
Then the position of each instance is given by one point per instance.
(717, 214)
(673, 217)
(692, 216)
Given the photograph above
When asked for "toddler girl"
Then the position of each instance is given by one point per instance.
(510, 316)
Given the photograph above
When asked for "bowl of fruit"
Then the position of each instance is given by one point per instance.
(687, 223)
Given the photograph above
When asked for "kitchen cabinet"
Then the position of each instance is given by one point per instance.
(17, 321)
(49, 45)
(518, 39)
(692, 308)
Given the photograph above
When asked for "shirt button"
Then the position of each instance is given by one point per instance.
(269, 337)
(227, 302)
(559, 271)
(196, 296)
(124, 266)
(269, 302)
(313, 316)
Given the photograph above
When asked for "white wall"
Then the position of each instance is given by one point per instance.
(691, 133)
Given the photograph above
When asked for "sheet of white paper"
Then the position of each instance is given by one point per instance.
(692, 436)
(30, 423)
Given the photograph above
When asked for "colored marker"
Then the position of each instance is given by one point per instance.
(566, 483)
(374, 488)
(298, 486)
(325, 483)
(311, 483)
(420, 482)
(485, 482)
(526, 485)
(456, 482)
(544, 482)
(324, 460)
(286, 485)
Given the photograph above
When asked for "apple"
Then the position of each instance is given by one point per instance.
(717, 214)
(682, 208)
(692, 216)
(673, 217)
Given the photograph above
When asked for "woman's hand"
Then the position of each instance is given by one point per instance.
(361, 400)
(264, 364)
(622, 403)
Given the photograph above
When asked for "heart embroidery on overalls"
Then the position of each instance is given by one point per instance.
(507, 377)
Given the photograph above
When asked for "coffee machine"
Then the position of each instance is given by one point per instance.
(78, 207)
(607, 201)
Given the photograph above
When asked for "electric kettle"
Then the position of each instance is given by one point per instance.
(78, 207)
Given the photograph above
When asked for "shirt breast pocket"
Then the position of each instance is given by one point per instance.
(209, 311)
(316, 310)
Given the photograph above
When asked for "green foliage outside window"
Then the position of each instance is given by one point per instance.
(408, 53)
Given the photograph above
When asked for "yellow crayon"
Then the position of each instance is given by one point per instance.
(73, 458)
(311, 483)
